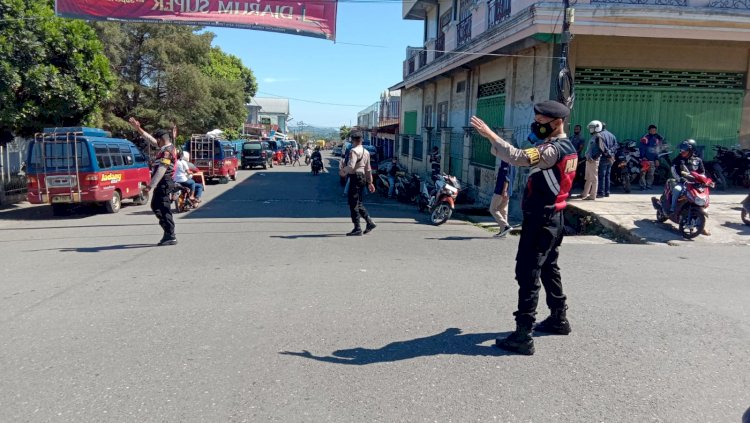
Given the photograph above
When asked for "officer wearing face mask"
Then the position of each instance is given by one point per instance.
(553, 163)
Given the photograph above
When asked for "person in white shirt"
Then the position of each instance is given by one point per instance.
(183, 176)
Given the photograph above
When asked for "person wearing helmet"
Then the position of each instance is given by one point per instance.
(605, 164)
(553, 164)
(593, 154)
(651, 144)
(686, 159)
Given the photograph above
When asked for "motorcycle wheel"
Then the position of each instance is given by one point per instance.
(692, 229)
(660, 216)
(421, 205)
(746, 215)
(440, 214)
(718, 177)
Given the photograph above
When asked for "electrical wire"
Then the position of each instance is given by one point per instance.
(311, 101)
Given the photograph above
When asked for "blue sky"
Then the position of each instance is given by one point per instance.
(316, 69)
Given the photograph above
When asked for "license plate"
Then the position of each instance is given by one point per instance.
(61, 199)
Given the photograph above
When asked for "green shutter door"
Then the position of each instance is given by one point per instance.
(492, 111)
(700, 105)
(410, 123)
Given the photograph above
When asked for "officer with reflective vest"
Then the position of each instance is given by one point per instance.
(553, 164)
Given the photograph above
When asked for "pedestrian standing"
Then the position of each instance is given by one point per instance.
(499, 203)
(162, 182)
(553, 163)
(392, 172)
(359, 175)
(435, 160)
(295, 158)
(578, 142)
(605, 164)
(651, 144)
(593, 154)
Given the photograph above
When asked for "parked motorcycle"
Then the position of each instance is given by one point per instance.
(441, 200)
(690, 213)
(745, 214)
(317, 166)
(627, 165)
(408, 188)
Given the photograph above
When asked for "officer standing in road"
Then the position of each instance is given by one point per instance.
(553, 165)
(359, 175)
(162, 180)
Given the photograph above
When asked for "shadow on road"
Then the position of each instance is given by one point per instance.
(461, 238)
(450, 342)
(293, 193)
(741, 228)
(98, 249)
(308, 236)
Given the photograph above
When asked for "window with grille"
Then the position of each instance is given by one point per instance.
(660, 78)
(443, 114)
(405, 145)
(491, 88)
(427, 117)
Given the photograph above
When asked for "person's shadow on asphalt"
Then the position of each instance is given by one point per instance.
(449, 342)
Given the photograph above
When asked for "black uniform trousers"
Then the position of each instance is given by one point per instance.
(355, 196)
(161, 204)
(538, 250)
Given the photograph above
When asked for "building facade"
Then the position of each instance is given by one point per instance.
(379, 123)
(680, 64)
(271, 114)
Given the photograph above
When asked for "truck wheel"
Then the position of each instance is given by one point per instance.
(233, 176)
(223, 180)
(115, 204)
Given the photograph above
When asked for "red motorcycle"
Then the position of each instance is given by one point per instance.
(690, 213)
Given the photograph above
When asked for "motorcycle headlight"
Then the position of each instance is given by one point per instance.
(700, 201)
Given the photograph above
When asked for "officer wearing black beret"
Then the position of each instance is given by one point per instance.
(553, 164)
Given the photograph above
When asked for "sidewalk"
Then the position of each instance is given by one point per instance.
(632, 218)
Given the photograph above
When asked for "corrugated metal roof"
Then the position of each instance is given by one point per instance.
(271, 105)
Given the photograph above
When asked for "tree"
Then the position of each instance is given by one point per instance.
(170, 74)
(53, 71)
(344, 132)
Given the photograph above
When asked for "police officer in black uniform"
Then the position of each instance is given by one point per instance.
(553, 164)
(162, 177)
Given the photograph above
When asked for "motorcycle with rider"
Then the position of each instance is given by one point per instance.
(686, 194)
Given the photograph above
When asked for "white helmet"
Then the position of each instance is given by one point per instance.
(595, 126)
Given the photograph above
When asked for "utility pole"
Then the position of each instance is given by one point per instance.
(565, 89)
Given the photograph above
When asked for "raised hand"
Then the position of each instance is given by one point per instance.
(481, 127)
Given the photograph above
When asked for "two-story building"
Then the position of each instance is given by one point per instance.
(269, 113)
(680, 64)
(379, 123)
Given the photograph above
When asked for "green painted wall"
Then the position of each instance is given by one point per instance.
(711, 117)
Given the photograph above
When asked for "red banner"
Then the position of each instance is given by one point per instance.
(308, 18)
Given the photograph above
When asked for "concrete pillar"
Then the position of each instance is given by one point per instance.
(467, 154)
(445, 147)
(744, 136)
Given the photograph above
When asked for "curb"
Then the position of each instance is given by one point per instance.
(617, 229)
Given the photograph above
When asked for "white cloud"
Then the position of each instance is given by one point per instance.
(277, 80)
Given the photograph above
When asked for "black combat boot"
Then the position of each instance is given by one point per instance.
(370, 226)
(355, 232)
(519, 341)
(557, 323)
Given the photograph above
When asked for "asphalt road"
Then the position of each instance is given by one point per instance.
(264, 311)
